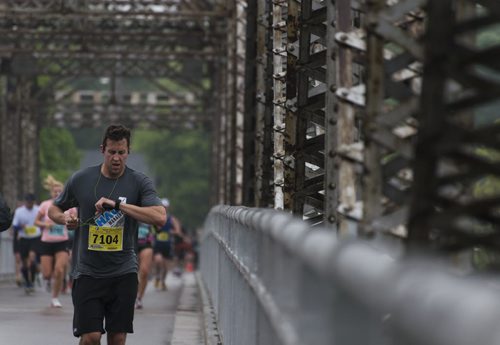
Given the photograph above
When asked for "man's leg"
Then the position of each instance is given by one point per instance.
(119, 316)
(88, 314)
(117, 338)
(25, 263)
(93, 338)
(157, 268)
(145, 261)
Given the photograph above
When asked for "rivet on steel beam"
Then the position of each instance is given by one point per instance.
(332, 153)
(332, 185)
(333, 88)
(332, 121)
(343, 37)
(332, 23)
(331, 219)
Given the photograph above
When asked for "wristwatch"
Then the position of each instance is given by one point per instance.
(117, 204)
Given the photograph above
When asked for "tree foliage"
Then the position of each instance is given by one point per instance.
(180, 161)
(59, 156)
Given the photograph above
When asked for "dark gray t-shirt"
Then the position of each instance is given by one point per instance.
(83, 190)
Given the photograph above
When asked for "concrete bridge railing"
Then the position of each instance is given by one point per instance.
(7, 260)
(273, 280)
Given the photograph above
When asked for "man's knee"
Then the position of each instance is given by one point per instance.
(116, 338)
(93, 338)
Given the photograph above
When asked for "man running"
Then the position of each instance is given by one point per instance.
(111, 200)
(163, 247)
(29, 240)
(145, 240)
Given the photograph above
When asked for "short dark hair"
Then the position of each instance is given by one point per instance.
(116, 133)
(29, 197)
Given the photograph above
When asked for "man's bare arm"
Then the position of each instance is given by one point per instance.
(58, 216)
(154, 215)
(176, 225)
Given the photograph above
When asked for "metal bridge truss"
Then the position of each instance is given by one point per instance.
(367, 115)
(176, 40)
(456, 196)
(313, 75)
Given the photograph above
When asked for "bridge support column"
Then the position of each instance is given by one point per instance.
(20, 133)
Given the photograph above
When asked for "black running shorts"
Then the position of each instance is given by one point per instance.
(104, 300)
(141, 247)
(163, 248)
(27, 245)
(51, 248)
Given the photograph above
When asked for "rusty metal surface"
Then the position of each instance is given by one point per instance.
(455, 202)
(92, 36)
(264, 107)
(306, 77)
(388, 100)
(279, 14)
(180, 41)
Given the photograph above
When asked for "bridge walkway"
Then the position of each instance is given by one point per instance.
(169, 317)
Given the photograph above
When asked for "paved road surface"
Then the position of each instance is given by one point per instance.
(28, 320)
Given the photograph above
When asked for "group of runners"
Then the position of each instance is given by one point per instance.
(107, 226)
(158, 249)
(43, 248)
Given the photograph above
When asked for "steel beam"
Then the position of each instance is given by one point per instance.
(264, 106)
(393, 84)
(279, 12)
(455, 199)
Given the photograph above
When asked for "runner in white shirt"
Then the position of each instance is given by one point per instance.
(29, 239)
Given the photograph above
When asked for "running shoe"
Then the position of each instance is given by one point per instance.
(55, 303)
(177, 272)
(138, 304)
(29, 288)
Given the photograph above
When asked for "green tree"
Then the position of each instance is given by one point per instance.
(180, 162)
(59, 156)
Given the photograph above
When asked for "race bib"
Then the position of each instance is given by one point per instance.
(162, 236)
(30, 231)
(105, 238)
(143, 232)
(56, 230)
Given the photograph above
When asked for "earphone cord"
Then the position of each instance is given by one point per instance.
(89, 220)
(97, 183)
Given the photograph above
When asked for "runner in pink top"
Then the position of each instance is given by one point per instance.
(51, 232)
(54, 244)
